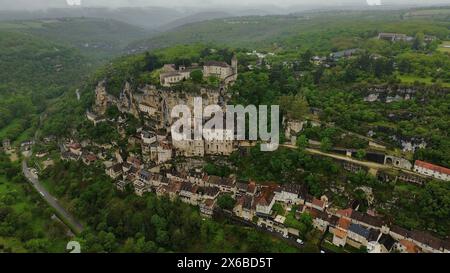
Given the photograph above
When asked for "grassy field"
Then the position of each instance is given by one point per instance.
(445, 47)
(410, 79)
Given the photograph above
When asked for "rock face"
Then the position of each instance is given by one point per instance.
(154, 104)
(164, 101)
(126, 103)
(389, 94)
(101, 99)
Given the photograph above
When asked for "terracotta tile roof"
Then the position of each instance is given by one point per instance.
(173, 187)
(266, 196)
(344, 223)
(345, 213)
(340, 233)
(91, 157)
(432, 167)
(74, 146)
(409, 246)
(319, 203)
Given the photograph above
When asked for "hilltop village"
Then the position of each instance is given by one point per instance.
(159, 164)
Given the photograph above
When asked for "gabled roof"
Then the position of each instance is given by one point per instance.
(211, 191)
(186, 186)
(340, 233)
(432, 167)
(427, 239)
(117, 168)
(318, 202)
(331, 219)
(367, 219)
(387, 241)
(360, 230)
(221, 181)
(409, 246)
(400, 231)
(291, 188)
(345, 213)
(173, 187)
(373, 236)
(145, 174)
(246, 201)
(91, 157)
(344, 223)
(74, 146)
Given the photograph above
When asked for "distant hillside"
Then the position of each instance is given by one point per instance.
(198, 17)
(151, 17)
(323, 31)
(33, 71)
(98, 38)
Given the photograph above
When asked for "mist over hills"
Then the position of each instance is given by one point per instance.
(161, 16)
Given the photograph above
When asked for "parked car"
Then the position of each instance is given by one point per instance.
(299, 241)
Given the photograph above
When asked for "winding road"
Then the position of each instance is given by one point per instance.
(73, 223)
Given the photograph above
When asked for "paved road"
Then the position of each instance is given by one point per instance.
(371, 165)
(52, 201)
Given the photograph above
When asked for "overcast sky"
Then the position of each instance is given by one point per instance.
(41, 4)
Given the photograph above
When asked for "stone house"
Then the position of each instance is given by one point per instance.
(140, 188)
(224, 184)
(265, 201)
(115, 171)
(207, 207)
(188, 193)
(246, 188)
(245, 208)
(289, 194)
(221, 70)
(75, 148)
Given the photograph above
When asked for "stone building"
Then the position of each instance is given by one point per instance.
(431, 170)
(221, 70)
